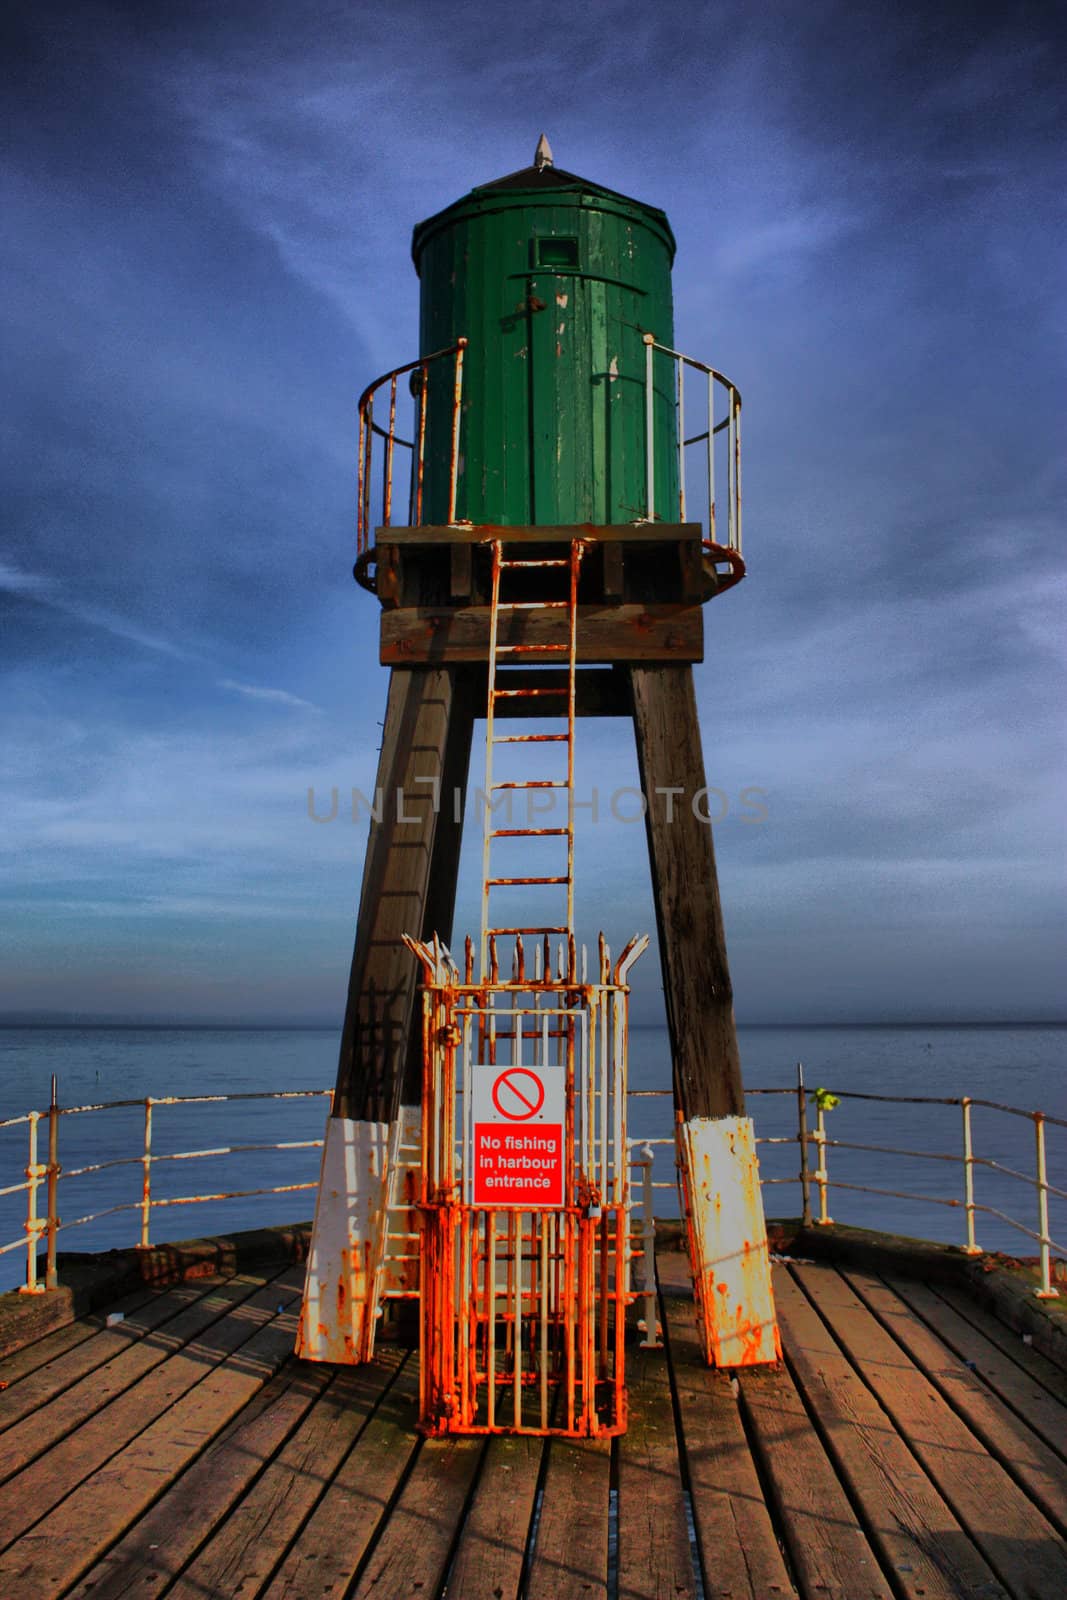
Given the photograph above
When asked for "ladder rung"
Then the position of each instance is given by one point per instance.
(529, 649)
(525, 693)
(493, 931)
(532, 605)
(500, 883)
(535, 783)
(527, 833)
(531, 738)
(554, 562)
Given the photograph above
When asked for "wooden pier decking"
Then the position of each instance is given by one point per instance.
(910, 1446)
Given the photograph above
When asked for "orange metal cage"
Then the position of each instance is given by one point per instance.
(523, 1303)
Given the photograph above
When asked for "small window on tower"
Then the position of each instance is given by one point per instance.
(557, 252)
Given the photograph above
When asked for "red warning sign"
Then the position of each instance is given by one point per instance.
(517, 1156)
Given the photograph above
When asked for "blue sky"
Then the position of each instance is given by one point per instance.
(208, 212)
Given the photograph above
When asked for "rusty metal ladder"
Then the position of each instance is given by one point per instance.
(501, 656)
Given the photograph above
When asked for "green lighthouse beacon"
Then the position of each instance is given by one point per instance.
(548, 494)
(555, 282)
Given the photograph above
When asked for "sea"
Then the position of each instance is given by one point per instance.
(873, 1183)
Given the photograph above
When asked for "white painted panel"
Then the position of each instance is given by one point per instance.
(729, 1239)
(347, 1244)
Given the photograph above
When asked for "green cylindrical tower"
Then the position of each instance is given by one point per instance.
(554, 281)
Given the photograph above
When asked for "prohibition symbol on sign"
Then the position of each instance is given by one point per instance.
(518, 1094)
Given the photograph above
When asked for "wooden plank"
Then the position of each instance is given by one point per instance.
(411, 1555)
(431, 635)
(613, 571)
(922, 1546)
(1040, 1471)
(253, 1540)
(425, 710)
(829, 1550)
(460, 571)
(694, 586)
(484, 533)
(1031, 1361)
(999, 1372)
(1015, 1539)
(142, 1314)
(321, 1564)
(32, 1493)
(59, 1548)
(159, 1544)
(492, 1545)
(692, 939)
(50, 1346)
(739, 1551)
(174, 1318)
(570, 1553)
(654, 1557)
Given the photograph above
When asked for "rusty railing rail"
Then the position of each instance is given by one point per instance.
(718, 388)
(48, 1173)
(368, 428)
(42, 1179)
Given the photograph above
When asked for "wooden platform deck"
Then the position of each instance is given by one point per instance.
(910, 1445)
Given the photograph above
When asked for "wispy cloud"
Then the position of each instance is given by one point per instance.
(45, 591)
(15, 581)
(278, 697)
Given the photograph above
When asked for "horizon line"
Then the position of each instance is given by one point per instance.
(13, 1022)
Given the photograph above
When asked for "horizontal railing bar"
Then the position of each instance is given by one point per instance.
(193, 1100)
(383, 433)
(17, 1188)
(185, 1155)
(930, 1100)
(103, 1166)
(233, 1150)
(698, 438)
(1020, 1227)
(1024, 1177)
(398, 372)
(893, 1194)
(888, 1150)
(233, 1194)
(16, 1244)
(94, 1216)
(11, 1122)
(691, 361)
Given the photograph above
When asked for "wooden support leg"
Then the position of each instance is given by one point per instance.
(727, 1234)
(409, 880)
(409, 874)
(692, 940)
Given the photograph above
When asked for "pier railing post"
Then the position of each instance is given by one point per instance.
(51, 1277)
(34, 1173)
(1046, 1291)
(802, 1137)
(968, 1177)
(822, 1177)
(651, 1340)
(146, 1185)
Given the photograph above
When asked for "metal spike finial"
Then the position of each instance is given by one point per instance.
(543, 153)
